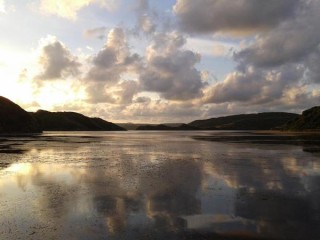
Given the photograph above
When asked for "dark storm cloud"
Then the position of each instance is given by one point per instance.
(238, 16)
(57, 61)
(170, 70)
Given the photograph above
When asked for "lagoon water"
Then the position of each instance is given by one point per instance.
(159, 185)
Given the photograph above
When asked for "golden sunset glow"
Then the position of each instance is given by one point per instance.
(140, 60)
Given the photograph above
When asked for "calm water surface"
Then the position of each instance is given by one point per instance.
(159, 185)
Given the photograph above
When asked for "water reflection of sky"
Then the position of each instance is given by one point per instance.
(156, 186)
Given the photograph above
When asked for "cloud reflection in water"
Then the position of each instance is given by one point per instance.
(158, 185)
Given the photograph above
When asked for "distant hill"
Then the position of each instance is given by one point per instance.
(134, 126)
(309, 120)
(13, 119)
(72, 121)
(162, 127)
(259, 121)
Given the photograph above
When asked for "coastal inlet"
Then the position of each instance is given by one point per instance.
(159, 185)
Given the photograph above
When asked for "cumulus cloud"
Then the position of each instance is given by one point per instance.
(114, 59)
(107, 67)
(292, 41)
(294, 99)
(312, 63)
(121, 93)
(279, 69)
(150, 20)
(128, 89)
(166, 69)
(2, 6)
(160, 111)
(146, 24)
(146, 17)
(207, 47)
(142, 109)
(232, 16)
(56, 60)
(99, 93)
(220, 50)
(69, 8)
(142, 99)
(170, 70)
(255, 86)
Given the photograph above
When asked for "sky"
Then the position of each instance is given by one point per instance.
(154, 61)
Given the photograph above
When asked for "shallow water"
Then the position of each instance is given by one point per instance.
(159, 185)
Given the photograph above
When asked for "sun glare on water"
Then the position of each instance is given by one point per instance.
(21, 168)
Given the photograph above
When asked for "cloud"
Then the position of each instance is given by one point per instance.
(170, 70)
(312, 63)
(220, 50)
(107, 68)
(142, 99)
(146, 24)
(292, 41)
(128, 89)
(150, 20)
(255, 86)
(99, 32)
(69, 8)
(146, 17)
(232, 16)
(2, 6)
(142, 6)
(210, 47)
(295, 40)
(278, 70)
(56, 60)
(113, 60)
(166, 69)
(160, 111)
(98, 93)
(121, 93)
